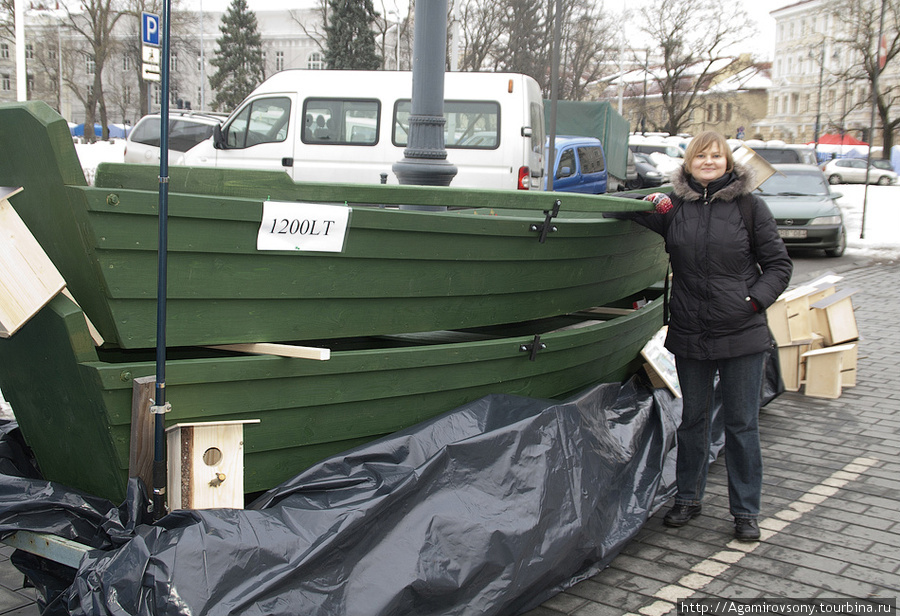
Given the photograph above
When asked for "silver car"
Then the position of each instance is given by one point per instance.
(186, 129)
(853, 171)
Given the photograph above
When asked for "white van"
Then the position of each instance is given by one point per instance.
(352, 126)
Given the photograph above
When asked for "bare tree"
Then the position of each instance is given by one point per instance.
(94, 23)
(585, 49)
(480, 26)
(860, 21)
(517, 36)
(690, 38)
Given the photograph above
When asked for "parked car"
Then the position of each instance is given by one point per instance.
(580, 165)
(648, 176)
(805, 209)
(853, 171)
(666, 158)
(780, 153)
(186, 129)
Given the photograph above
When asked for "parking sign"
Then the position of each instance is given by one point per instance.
(150, 29)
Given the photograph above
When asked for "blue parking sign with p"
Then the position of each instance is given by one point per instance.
(150, 28)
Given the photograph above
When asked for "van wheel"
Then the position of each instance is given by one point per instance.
(834, 179)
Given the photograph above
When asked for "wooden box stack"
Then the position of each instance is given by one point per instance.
(815, 329)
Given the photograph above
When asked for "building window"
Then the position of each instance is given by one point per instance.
(316, 61)
(90, 65)
(7, 83)
(199, 63)
(173, 62)
(4, 50)
(126, 62)
(29, 51)
(279, 60)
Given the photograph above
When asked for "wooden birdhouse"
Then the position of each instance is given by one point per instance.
(206, 465)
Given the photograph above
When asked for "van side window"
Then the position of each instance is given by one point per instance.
(331, 121)
(591, 159)
(265, 120)
(469, 124)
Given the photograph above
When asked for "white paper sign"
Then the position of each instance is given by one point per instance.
(303, 226)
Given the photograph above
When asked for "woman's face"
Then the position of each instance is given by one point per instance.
(708, 165)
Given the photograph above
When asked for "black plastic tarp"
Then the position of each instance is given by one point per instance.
(489, 509)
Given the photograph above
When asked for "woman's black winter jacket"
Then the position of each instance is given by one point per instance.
(719, 295)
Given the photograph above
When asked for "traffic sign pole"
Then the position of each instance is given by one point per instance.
(160, 405)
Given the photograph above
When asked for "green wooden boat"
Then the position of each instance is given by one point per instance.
(483, 261)
(73, 401)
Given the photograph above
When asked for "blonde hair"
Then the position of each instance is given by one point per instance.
(704, 141)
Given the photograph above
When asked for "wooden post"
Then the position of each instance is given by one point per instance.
(140, 453)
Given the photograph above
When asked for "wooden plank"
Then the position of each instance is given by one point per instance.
(834, 298)
(28, 279)
(96, 336)
(140, 452)
(611, 310)
(281, 350)
(57, 549)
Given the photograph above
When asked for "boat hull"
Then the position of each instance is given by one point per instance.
(74, 402)
(479, 262)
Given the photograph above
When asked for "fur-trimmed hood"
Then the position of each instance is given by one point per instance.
(743, 182)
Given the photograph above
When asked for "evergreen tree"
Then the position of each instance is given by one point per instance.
(350, 41)
(239, 59)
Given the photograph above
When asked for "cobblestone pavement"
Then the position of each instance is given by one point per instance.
(831, 497)
(831, 500)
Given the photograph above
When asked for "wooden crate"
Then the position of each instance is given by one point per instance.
(824, 371)
(792, 365)
(836, 318)
(28, 279)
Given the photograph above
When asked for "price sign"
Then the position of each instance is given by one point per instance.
(303, 226)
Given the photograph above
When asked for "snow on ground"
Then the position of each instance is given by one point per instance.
(880, 206)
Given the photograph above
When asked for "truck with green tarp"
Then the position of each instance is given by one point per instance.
(595, 119)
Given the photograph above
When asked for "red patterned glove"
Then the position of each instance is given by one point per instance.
(661, 201)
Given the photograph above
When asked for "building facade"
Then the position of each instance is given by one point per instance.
(60, 66)
(814, 91)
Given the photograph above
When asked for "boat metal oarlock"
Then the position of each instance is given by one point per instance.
(533, 348)
(545, 227)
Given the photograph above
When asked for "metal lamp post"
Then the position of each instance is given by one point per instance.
(819, 98)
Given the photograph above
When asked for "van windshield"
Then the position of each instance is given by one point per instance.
(469, 124)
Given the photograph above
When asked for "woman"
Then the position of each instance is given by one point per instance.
(725, 275)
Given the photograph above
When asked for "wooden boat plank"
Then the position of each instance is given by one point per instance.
(304, 406)
(279, 186)
(103, 241)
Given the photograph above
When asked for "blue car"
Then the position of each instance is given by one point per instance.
(579, 165)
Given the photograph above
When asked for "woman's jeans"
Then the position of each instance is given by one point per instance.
(740, 380)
